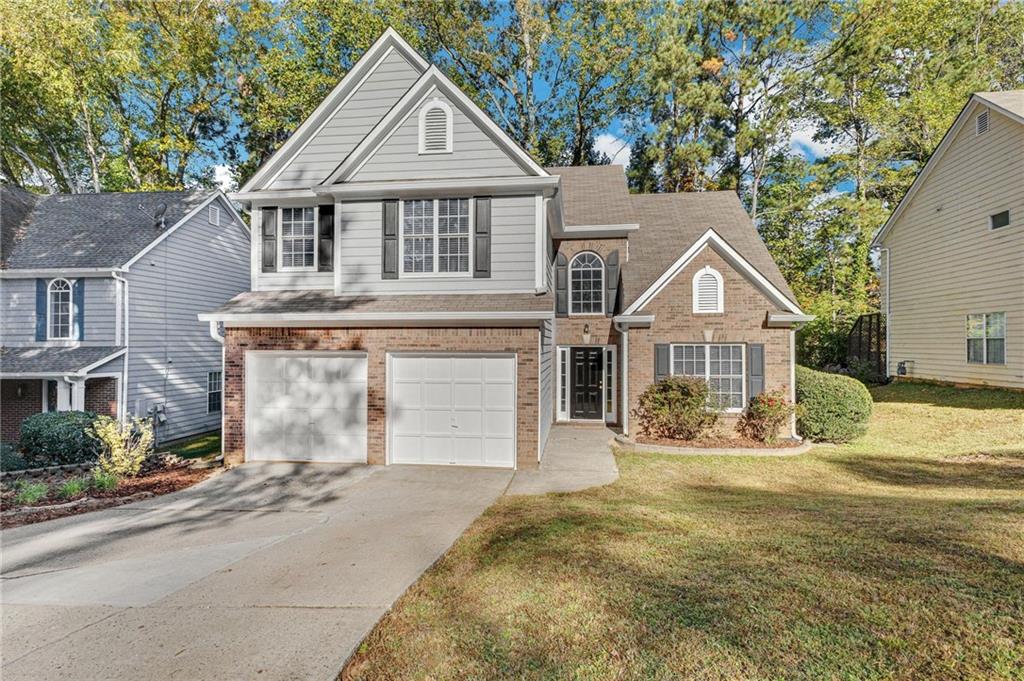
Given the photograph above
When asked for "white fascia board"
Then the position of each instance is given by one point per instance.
(495, 186)
(271, 195)
(634, 320)
(783, 319)
(167, 232)
(54, 272)
(388, 41)
(391, 319)
(711, 238)
(596, 231)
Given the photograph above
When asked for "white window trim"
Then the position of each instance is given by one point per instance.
(984, 338)
(720, 303)
(315, 267)
(707, 369)
(572, 262)
(610, 351)
(71, 310)
(436, 274)
(563, 352)
(214, 215)
(424, 110)
(210, 392)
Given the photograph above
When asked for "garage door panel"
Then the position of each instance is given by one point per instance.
(467, 395)
(437, 449)
(339, 370)
(408, 368)
(467, 451)
(499, 423)
(437, 395)
(406, 421)
(468, 422)
(437, 369)
(497, 369)
(498, 396)
(467, 369)
(497, 451)
(436, 422)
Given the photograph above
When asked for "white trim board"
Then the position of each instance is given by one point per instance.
(492, 186)
(711, 238)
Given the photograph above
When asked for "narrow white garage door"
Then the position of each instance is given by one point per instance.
(305, 407)
(453, 409)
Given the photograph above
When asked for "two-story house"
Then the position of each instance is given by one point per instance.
(425, 292)
(952, 254)
(100, 294)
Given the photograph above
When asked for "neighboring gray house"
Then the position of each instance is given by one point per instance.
(100, 294)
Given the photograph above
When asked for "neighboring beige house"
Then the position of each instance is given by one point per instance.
(952, 254)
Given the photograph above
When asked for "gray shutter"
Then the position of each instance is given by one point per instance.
(661, 361)
(325, 238)
(78, 298)
(389, 239)
(755, 368)
(268, 229)
(41, 309)
(611, 283)
(482, 239)
(561, 285)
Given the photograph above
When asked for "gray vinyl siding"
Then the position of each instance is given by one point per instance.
(364, 108)
(547, 380)
(196, 269)
(946, 263)
(513, 226)
(474, 154)
(18, 314)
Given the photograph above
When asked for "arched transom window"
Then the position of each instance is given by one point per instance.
(586, 284)
(436, 128)
(59, 309)
(708, 295)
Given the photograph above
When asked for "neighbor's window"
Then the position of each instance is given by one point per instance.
(59, 310)
(298, 238)
(986, 338)
(720, 365)
(435, 236)
(586, 284)
(999, 219)
(214, 391)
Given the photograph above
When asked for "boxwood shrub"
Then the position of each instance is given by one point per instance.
(834, 408)
(675, 408)
(59, 437)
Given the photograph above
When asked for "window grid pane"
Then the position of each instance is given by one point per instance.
(60, 309)
(444, 221)
(298, 232)
(720, 365)
(587, 284)
(609, 376)
(214, 388)
(986, 338)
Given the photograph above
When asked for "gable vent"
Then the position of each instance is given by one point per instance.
(707, 291)
(435, 129)
(981, 123)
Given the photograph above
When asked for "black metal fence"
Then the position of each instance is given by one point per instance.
(866, 343)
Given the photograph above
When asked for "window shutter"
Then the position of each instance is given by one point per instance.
(40, 309)
(268, 230)
(661, 361)
(611, 267)
(482, 238)
(325, 241)
(78, 298)
(561, 285)
(755, 368)
(389, 239)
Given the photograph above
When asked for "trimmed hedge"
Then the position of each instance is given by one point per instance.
(57, 438)
(675, 408)
(834, 408)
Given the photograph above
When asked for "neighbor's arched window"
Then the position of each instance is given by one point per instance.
(708, 295)
(59, 310)
(436, 128)
(586, 284)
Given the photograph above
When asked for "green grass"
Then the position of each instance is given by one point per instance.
(898, 556)
(197, 447)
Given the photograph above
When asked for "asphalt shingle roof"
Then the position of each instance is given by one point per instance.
(594, 195)
(1011, 100)
(271, 302)
(29, 360)
(85, 230)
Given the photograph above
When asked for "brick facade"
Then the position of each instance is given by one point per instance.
(101, 396)
(15, 409)
(377, 342)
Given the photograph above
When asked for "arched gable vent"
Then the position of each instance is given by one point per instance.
(708, 295)
(436, 128)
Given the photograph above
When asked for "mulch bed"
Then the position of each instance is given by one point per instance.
(720, 443)
(161, 481)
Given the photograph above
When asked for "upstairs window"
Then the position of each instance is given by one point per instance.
(435, 236)
(981, 123)
(999, 219)
(435, 128)
(708, 294)
(298, 238)
(986, 338)
(58, 314)
(586, 284)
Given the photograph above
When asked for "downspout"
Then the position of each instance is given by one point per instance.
(624, 383)
(122, 407)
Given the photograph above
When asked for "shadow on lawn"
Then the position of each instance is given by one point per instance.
(949, 396)
(1002, 471)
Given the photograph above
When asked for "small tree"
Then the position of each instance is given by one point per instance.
(125, 445)
(675, 408)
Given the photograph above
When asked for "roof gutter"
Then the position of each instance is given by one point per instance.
(313, 319)
(784, 319)
(50, 272)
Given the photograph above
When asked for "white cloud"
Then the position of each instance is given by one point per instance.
(802, 142)
(617, 149)
(224, 178)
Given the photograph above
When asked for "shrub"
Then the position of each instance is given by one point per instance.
(72, 488)
(765, 415)
(125, 445)
(103, 481)
(30, 492)
(58, 438)
(676, 408)
(10, 460)
(833, 408)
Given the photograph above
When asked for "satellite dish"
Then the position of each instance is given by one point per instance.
(158, 216)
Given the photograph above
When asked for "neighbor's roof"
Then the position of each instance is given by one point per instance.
(85, 230)
(594, 195)
(53, 360)
(299, 302)
(670, 223)
(1010, 100)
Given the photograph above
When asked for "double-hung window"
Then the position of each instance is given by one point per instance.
(586, 284)
(298, 238)
(214, 391)
(986, 338)
(58, 322)
(435, 236)
(720, 365)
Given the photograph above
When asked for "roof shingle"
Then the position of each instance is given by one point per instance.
(52, 360)
(594, 195)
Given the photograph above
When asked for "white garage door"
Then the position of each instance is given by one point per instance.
(458, 409)
(305, 407)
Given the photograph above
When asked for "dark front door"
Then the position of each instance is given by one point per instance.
(586, 383)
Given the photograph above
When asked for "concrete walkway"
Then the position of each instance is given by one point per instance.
(273, 571)
(576, 457)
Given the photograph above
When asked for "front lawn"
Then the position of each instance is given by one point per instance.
(193, 448)
(899, 556)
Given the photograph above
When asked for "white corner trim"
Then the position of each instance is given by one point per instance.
(719, 291)
(710, 237)
(425, 108)
(539, 241)
(170, 230)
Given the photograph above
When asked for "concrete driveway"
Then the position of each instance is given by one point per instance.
(272, 571)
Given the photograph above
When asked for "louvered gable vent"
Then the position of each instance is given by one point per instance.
(982, 123)
(707, 291)
(435, 128)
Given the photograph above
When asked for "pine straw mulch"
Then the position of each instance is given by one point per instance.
(712, 442)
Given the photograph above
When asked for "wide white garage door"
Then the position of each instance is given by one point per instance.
(453, 409)
(305, 406)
